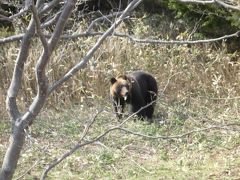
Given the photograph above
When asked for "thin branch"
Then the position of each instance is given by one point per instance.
(29, 170)
(20, 13)
(152, 41)
(135, 113)
(131, 38)
(224, 127)
(10, 18)
(198, 1)
(2, 17)
(228, 6)
(90, 27)
(38, 28)
(71, 151)
(142, 168)
(87, 128)
(90, 53)
(52, 20)
(217, 2)
(221, 98)
(168, 81)
(61, 24)
(49, 6)
(11, 38)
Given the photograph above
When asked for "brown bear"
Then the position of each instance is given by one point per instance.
(137, 89)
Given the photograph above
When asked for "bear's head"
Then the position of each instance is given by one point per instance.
(120, 87)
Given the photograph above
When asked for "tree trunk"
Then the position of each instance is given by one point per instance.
(13, 152)
(21, 121)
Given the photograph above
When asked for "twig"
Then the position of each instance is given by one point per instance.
(131, 38)
(52, 20)
(2, 17)
(135, 113)
(144, 169)
(87, 128)
(10, 18)
(90, 27)
(152, 41)
(71, 151)
(168, 81)
(38, 27)
(222, 98)
(180, 135)
(218, 2)
(29, 170)
(49, 6)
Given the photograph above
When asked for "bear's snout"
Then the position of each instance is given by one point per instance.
(124, 92)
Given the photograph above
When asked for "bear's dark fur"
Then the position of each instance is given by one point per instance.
(138, 89)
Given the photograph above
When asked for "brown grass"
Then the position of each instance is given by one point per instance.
(199, 72)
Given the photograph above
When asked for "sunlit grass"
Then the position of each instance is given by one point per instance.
(119, 155)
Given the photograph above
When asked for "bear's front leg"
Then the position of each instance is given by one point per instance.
(119, 106)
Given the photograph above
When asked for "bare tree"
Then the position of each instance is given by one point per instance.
(21, 120)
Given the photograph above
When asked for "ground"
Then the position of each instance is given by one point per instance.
(209, 154)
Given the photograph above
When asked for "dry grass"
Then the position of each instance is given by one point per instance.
(188, 72)
(200, 155)
(200, 87)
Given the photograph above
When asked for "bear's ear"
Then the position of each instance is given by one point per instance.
(125, 77)
(131, 80)
(113, 80)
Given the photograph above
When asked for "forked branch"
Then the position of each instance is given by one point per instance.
(90, 53)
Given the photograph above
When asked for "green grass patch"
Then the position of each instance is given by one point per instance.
(211, 154)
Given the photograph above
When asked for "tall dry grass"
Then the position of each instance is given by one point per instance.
(204, 73)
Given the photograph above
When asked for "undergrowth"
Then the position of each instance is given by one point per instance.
(201, 154)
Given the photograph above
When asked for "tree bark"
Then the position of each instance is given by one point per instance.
(13, 153)
(21, 121)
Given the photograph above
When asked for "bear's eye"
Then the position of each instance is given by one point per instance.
(118, 90)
